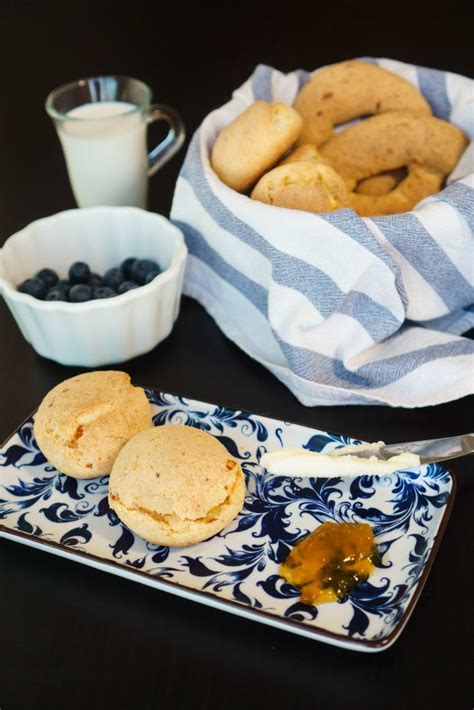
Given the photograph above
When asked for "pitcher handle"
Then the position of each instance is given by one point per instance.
(173, 141)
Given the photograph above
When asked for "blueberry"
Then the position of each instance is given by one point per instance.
(64, 285)
(55, 294)
(103, 292)
(127, 266)
(48, 277)
(126, 286)
(142, 268)
(113, 278)
(94, 281)
(80, 293)
(33, 287)
(151, 275)
(79, 272)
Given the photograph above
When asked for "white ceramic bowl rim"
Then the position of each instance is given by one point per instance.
(166, 275)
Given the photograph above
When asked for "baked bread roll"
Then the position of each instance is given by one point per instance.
(342, 92)
(83, 422)
(250, 145)
(176, 485)
(312, 187)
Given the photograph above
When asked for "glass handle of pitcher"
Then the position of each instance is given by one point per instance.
(173, 141)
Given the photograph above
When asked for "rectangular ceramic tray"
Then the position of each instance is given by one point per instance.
(237, 570)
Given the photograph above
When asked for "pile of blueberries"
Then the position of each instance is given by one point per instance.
(84, 285)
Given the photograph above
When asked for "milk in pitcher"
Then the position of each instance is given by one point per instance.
(105, 147)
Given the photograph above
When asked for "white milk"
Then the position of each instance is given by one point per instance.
(107, 158)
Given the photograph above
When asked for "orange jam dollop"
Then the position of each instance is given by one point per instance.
(331, 562)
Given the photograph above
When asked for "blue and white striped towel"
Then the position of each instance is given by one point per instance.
(343, 310)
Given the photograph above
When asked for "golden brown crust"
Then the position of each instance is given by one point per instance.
(306, 153)
(391, 160)
(342, 92)
(176, 485)
(250, 145)
(302, 186)
(418, 184)
(83, 422)
(392, 140)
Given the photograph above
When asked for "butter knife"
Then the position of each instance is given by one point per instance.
(429, 450)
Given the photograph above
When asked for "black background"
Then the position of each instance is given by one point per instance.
(72, 637)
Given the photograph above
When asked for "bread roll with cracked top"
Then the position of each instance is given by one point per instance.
(312, 187)
(176, 485)
(83, 422)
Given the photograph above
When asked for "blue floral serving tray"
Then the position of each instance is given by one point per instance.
(237, 570)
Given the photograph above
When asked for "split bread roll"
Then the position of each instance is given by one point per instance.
(254, 142)
(176, 485)
(312, 187)
(83, 422)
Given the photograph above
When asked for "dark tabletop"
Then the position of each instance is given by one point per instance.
(72, 637)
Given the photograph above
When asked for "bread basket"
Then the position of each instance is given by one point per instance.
(342, 309)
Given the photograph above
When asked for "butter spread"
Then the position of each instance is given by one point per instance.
(343, 461)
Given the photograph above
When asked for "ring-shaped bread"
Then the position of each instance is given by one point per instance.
(375, 185)
(382, 183)
(429, 147)
(418, 184)
(348, 90)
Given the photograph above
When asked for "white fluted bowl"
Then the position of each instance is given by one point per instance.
(108, 330)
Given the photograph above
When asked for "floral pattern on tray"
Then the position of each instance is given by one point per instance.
(241, 564)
